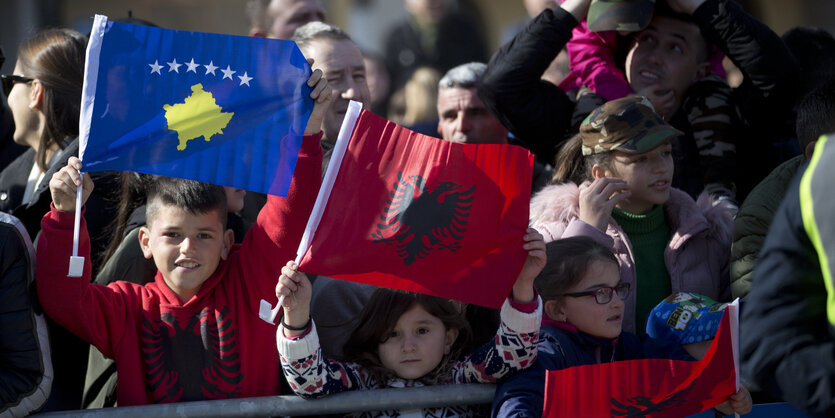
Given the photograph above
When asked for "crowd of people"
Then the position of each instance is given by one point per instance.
(653, 176)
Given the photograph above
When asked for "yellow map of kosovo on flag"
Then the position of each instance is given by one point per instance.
(199, 115)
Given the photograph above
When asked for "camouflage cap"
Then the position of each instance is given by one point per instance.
(629, 124)
(620, 15)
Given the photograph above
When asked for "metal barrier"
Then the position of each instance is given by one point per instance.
(340, 403)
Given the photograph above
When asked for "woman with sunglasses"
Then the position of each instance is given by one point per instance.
(583, 307)
(44, 96)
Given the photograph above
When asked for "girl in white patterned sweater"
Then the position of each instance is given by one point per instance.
(405, 339)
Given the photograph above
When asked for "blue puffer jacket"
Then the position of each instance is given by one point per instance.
(562, 346)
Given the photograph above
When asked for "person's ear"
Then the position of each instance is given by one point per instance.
(809, 150)
(555, 311)
(598, 171)
(36, 95)
(228, 241)
(145, 241)
(449, 340)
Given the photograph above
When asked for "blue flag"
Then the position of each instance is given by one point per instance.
(222, 109)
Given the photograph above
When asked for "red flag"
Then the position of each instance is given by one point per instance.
(651, 387)
(408, 211)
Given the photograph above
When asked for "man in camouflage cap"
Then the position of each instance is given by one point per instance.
(628, 124)
(619, 15)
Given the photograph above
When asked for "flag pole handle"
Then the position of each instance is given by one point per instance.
(274, 311)
(76, 262)
(345, 131)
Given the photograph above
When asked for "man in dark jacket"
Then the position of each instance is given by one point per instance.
(539, 113)
(815, 117)
(788, 332)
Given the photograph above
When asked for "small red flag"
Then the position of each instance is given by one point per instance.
(408, 211)
(651, 387)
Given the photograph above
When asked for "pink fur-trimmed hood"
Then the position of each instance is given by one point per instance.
(555, 203)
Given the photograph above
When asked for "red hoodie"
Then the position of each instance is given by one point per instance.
(213, 346)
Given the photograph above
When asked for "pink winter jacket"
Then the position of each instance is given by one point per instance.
(697, 256)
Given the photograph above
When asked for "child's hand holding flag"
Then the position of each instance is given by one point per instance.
(64, 184)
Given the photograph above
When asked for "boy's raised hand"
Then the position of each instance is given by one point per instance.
(535, 245)
(64, 185)
(297, 290)
(322, 96)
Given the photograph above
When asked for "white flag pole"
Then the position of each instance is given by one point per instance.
(266, 311)
(734, 311)
(88, 95)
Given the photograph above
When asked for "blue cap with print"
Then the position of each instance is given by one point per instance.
(685, 318)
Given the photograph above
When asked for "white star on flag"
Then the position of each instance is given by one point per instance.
(155, 67)
(192, 66)
(210, 69)
(174, 66)
(244, 79)
(227, 73)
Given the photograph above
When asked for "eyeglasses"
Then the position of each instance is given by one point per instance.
(9, 81)
(603, 295)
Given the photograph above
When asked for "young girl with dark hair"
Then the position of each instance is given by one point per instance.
(584, 299)
(618, 172)
(405, 339)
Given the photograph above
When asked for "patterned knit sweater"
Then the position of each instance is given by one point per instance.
(514, 349)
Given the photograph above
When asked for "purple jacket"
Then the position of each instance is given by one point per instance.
(697, 256)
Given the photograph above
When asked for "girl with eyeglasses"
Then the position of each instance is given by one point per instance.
(613, 184)
(583, 312)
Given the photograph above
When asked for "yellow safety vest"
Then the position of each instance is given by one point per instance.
(817, 206)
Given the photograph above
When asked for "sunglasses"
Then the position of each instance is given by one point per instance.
(9, 81)
(603, 295)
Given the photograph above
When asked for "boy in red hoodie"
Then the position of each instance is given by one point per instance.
(194, 333)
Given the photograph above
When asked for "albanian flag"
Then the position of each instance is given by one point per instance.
(407, 211)
(650, 387)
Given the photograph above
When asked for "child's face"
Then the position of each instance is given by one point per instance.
(648, 174)
(186, 247)
(417, 344)
(584, 312)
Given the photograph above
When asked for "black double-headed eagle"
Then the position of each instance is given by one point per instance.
(417, 220)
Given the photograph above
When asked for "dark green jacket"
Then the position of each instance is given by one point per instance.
(753, 220)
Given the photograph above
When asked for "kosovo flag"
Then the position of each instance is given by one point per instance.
(222, 109)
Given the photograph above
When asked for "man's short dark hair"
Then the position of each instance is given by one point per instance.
(664, 10)
(192, 196)
(816, 114)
